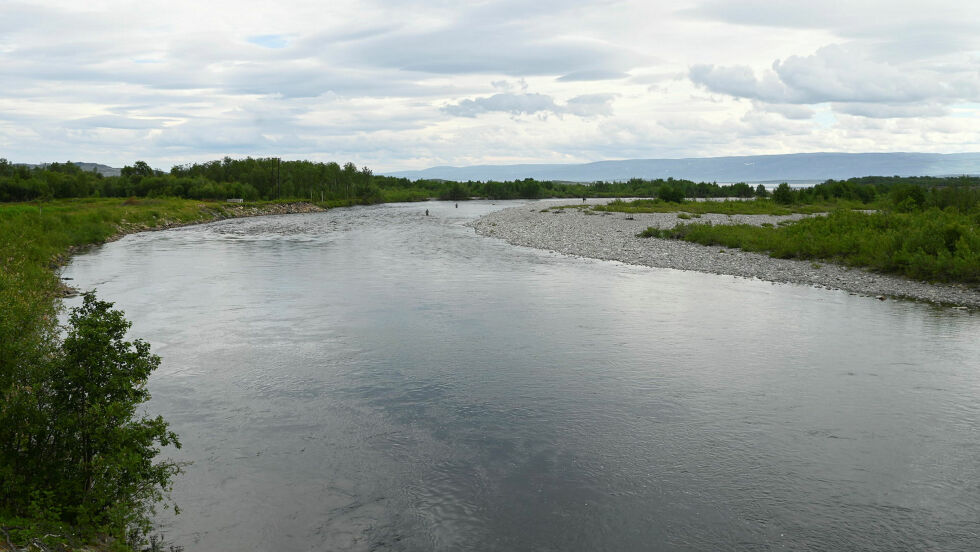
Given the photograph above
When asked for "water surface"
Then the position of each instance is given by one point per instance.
(375, 379)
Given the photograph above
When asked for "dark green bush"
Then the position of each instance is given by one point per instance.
(671, 193)
(73, 447)
(783, 194)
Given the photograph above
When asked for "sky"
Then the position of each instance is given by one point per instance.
(410, 84)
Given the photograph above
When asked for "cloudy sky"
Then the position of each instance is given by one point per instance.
(414, 83)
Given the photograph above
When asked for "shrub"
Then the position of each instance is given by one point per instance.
(73, 444)
(783, 194)
(670, 192)
(932, 244)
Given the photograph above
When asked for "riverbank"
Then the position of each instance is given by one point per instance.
(208, 212)
(613, 236)
(35, 241)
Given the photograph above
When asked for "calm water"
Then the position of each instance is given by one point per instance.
(374, 379)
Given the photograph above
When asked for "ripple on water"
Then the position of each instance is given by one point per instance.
(374, 379)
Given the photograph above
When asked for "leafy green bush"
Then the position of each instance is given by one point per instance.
(908, 197)
(671, 193)
(73, 447)
(783, 194)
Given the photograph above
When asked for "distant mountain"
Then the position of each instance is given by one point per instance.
(104, 170)
(799, 167)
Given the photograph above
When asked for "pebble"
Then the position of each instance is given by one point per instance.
(578, 232)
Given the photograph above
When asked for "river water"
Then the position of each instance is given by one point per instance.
(375, 379)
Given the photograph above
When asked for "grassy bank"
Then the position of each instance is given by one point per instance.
(40, 507)
(39, 233)
(931, 244)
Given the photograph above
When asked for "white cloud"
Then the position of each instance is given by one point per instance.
(590, 105)
(847, 77)
(790, 111)
(406, 84)
(515, 104)
(116, 121)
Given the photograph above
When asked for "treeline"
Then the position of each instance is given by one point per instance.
(634, 187)
(251, 179)
(269, 179)
(904, 194)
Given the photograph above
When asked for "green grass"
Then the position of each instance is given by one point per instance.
(39, 234)
(727, 207)
(34, 241)
(934, 245)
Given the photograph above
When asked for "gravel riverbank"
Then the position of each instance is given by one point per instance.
(612, 236)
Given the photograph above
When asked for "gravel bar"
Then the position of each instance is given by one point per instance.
(613, 236)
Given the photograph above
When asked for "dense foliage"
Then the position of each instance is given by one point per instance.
(75, 459)
(270, 178)
(72, 444)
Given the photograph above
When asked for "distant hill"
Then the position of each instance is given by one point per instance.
(798, 167)
(104, 170)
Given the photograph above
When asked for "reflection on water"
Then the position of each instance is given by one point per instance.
(374, 379)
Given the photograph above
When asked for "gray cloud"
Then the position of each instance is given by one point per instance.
(844, 76)
(858, 18)
(590, 105)
(507, 51)
(366, 78)
(515, 104)
(887, 111)
(739, 81)
(593, 75)
(508, 37)
(214, 135)
(528, 104)
(889, 30)
(116, 121)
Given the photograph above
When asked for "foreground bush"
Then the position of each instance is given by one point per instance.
(76, 460)
(73, 447)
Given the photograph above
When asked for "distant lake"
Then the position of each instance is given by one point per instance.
(375, 379)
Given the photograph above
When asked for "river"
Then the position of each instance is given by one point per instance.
(375, 379)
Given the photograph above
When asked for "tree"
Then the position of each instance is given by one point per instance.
(670, 191)
(908, 197)
(783, 194)
(529, 188)
(741, 189)
(83, 451)
(137, 172)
